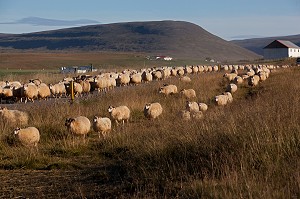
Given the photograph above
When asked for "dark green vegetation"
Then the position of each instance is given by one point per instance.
(248, 149)
(178, 39)
(257, 44)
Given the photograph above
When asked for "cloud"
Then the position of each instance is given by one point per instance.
(37, 21)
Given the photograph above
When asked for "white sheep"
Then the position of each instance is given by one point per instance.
(29, 136)
(123, 79)
(136, 78)
(30, 92)
(80, 125)
(253, 80)
(58, 90)
(157, 75)
(231, 88)
(102, 125)
(168, 89)
(202, 106)
(147, 76)
(153, 110)
(230, 76)
(119, 114)
(14, 117)
(192, 106)
(188, 93)
(185, 79)
(238, 80)
(43, 91)
(221, 100)
(229, 97)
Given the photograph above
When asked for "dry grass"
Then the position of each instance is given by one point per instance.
(248, 149)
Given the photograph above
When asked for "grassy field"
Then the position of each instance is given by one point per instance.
(248, 149)
(45, 61)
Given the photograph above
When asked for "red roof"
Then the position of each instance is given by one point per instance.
(282, 44)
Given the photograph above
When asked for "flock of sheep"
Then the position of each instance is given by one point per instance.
(35, 89)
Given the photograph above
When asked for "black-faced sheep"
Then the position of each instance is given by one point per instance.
(153, 110)
(78, 126)
(29, 136)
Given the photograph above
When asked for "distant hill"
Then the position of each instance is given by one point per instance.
(178, 39)
(257, 44)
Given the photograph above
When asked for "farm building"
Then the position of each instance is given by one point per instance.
(77, 69)
(281, 49)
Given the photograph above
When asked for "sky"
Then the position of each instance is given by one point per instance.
(228, 19)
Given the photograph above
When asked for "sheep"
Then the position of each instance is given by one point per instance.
(86, 86)
(136, 78)
(168, 89)
(180, 72)
(123, 79)
(120, 113)
(253, 80)
(77, 88)
(153, 110)
(43, 91)
(58, 89)
(37, 82)
(195, 69)
(185, 79)
(250, 72)
(30, 92)
(29, 136)
(215, 68)
(231, 88)
(80, 125)
(188, 93)
(202, 106)
(192, 106)
(147, 76)
(229, 97)
(16, 84)
(102, 125)
(238, 80)
(157, 75)
(15, 117)
(100, 83)
(230, 76)
(221, 100)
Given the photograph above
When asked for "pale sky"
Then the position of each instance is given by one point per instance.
(228, 19)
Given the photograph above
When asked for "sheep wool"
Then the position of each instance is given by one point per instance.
(202, 106)
(153, 110)
(14, 117)
(168, 89)
(102, 125)
(188, 93)
(192, 106)
(29, 136)
(119, 114)
(78, 126)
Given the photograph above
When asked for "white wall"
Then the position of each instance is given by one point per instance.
(294, 52)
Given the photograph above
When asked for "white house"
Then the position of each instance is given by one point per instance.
(281, 49)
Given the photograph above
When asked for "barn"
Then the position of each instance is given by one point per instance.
(279, 49)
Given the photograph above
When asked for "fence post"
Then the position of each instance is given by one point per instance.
(72, 91)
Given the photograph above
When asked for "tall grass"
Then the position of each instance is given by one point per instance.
(248, 149)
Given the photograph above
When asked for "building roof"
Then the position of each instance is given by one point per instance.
(282, 44)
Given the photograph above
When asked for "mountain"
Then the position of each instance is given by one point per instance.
(257, 44)
(178, 39)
